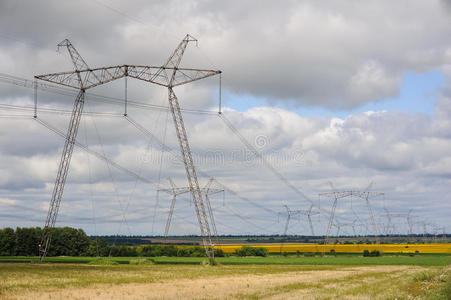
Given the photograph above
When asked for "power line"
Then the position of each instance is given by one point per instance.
(30, 84)
(262, 158)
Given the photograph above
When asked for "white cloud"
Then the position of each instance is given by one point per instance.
(336, 54)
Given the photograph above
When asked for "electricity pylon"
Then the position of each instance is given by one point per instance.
(309, 213)
(63, 168)
(208, 190)
(409, 218)
(290, 213)
(367, 194)
(389, 216)
(337, 195)
(168, 75)
(339, 225)
(175, 191)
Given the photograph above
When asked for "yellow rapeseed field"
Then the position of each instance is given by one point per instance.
(354, 248)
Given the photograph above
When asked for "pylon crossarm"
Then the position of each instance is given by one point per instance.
(177, 191)
(89, 77)
(184, 76)
(98, 76)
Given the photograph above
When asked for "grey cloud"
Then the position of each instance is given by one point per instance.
(331, 54)
(337, 54)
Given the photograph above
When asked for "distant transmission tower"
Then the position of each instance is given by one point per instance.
(206, 191)
(366, 194)
(290, 213)
(168, 75)
(174, 191)
(390, 226)
(309, 213)
(337, 195)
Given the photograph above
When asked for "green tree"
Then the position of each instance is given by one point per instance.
(7, 242)
(27, 241)
(69, 241)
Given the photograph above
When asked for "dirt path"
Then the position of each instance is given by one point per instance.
(346, 282)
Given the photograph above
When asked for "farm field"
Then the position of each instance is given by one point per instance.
(351, 248)
(346, 260)
(169, 281)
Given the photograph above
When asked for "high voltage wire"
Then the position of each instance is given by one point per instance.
(137, 176)
(262, 158)
(178, 157)
(96, 154)
(22, 82)
(106, 99)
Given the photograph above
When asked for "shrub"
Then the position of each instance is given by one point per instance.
(251, 251)
(373, 253)
(195, 252)
(219, 253)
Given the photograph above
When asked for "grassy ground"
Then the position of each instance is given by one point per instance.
(350, 260)
(124, 281)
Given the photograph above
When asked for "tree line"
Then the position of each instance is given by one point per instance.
(25, 242)
(67, 241)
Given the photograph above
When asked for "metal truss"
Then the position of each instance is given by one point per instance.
(290, 213)
(66, 156)
(151, 74)
(168, 75)
(389, 228)
(337, 195)
(174, 191)
(366, 194)
(206, 191)
(309, 213)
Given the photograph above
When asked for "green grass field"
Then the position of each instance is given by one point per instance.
(345, 260)
(244, 281)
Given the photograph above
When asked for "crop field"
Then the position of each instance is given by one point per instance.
(351, 248)
(346, 260)
(272, 277)
(169, 281)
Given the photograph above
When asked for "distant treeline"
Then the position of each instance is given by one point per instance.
(25, 241)
(67, 241)
(137, 240)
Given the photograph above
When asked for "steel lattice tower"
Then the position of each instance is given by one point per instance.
(168, 75)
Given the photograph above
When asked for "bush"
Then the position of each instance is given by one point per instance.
(158, 250)
(124, 251)
(219, 253)
(373, 253)
(191, 252)
(251, 251)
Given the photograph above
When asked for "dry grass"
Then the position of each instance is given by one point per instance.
(25, 281)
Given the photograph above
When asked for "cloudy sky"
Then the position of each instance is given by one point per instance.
(345, 92)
